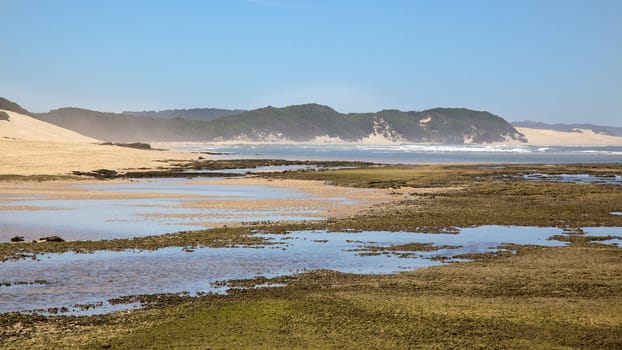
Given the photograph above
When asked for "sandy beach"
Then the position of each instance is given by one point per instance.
(22, 157)
(32, 147)
(22, 127)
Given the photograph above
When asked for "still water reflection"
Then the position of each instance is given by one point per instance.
(91, 278)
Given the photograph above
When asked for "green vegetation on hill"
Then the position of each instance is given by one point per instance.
(304, 122)
(270, 124)
(450, 125)
(12, 106)
(118, 127)
(203, 114)
(297, 123)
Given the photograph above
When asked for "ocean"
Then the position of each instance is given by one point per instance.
(417, 153)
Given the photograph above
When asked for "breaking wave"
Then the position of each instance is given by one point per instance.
(419, 153)
(424, 148)
(450, 148)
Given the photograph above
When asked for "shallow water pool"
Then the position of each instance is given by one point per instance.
(95, 219)
(95, 278)
(573, 178)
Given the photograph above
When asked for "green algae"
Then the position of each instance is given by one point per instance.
(534, 297)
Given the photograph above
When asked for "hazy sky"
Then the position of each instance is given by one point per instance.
(552, 61)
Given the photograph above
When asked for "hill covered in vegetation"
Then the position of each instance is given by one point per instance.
(299, 123)
(314, 121)
(12, 106)
(203, 114)
(119, 127)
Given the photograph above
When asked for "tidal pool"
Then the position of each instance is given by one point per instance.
(266, 168)
(72, 278)
(95, 219)
(259, 169)
(574, 178)
(615, 232)
(203, 188)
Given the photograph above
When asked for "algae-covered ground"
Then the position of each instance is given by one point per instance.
(535, 298)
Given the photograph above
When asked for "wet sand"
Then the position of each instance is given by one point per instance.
(335, 201)
(193, 203)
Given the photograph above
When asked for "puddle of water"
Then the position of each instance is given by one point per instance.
(89, 219)
(204, 188)
(94, 219)
(267, 168)
(259, 169)
(604, 232)
(91, 278)
(112, 219)
(574, 178)
(617, 213)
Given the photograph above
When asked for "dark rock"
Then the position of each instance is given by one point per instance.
(52, 239)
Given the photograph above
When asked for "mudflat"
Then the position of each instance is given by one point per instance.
(518, 297)
(195, 202)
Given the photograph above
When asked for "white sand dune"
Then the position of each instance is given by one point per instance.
(22, 157)
(31, 147)
(23, 127)
(535, 137)
(583, 137)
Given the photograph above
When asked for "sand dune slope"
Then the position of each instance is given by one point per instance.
(583, 137)
(23, 127)
(22, 157)
(31, 147)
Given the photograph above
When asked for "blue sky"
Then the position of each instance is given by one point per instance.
(552, 61)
